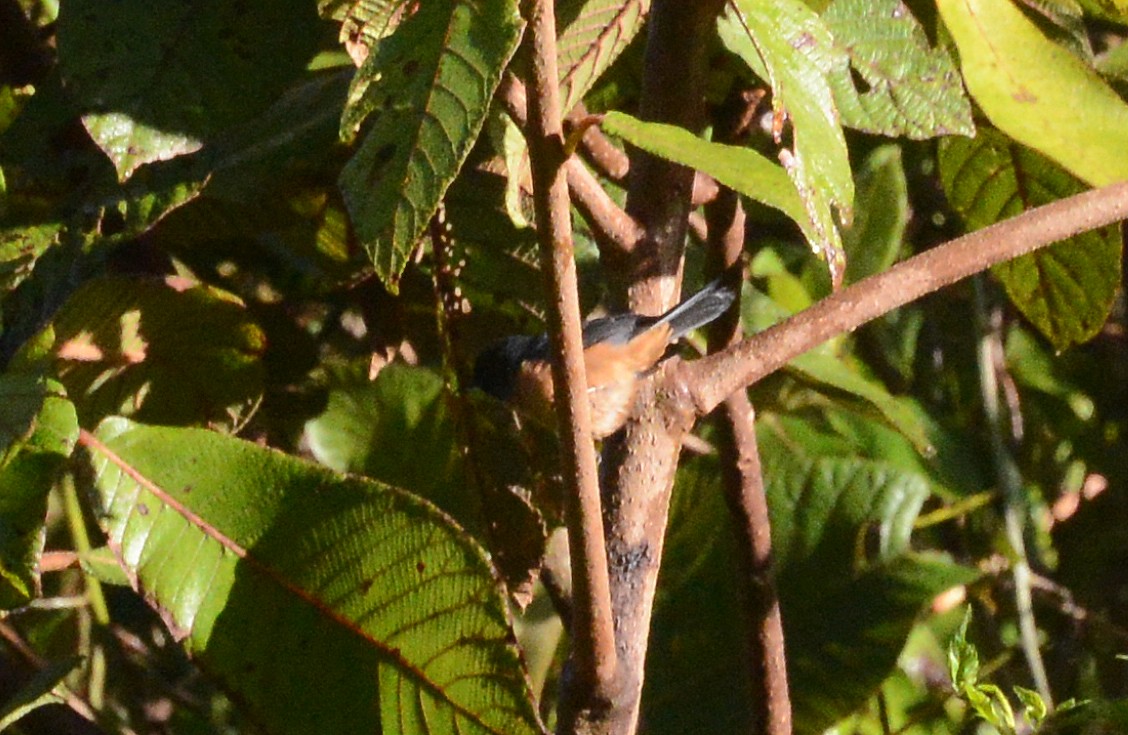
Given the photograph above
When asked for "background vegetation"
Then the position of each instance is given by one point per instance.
(249, 250)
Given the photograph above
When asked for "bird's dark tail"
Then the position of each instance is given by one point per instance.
(699, 309)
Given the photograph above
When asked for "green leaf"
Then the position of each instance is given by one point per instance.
(38, 430)
(397, 429)
(20, 247)
(1033, 90)
(1065, 290)
(364, 22)
(156, 80)
(173, 352)
(875, 237)
(911, 89)
(324, 603)
(846, 619)
(427, 88)
(394, 429)
(741, 169)
(797, 52)
(43, 689)
(830, 372)
(592, 35)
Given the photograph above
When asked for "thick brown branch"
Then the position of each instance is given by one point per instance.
(712, 379)
(593, 652)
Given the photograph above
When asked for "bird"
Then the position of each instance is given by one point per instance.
(618, 351)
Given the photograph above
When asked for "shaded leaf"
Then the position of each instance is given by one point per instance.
(20, 247)
(847, 606)
(909, 88)
(38, 429)
(174, 352)
(796, 51)
(1065, 290)
(397, 429)
(43, 689)
(828, 371)
(875, 238)
(156, 80)
(1038, 93)
(594, 35)
(427, 89)
(383, 615)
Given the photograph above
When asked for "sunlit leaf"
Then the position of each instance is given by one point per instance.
(741, 169)
(1065, 290)
(427, 89)
(592, 35)
(1038, 93)
(909, 88)
(174, 352)
(795, 49)
(325, 603)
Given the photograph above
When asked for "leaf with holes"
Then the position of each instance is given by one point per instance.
(794, 48)
(1065, 290)
(593, 34)
(324, 603)
(907, 88)
(427, 89)
(157, 80)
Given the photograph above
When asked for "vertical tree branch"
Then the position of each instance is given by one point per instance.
(744, 488)
(640, 463)
(593, 642)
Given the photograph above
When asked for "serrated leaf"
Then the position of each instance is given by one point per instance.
(38, 429)
(364, 22)
(741, 169)
(175, 352)
(427, 88)
(796, 50)
(1037, 92)
(592, 35)
(156, 80)
(911, 90)
(325, 603)
(1065, 290)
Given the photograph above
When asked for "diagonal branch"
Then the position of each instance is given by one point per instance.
(712, 379)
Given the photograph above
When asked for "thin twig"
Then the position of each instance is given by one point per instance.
(990, 361)
(593, 637)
